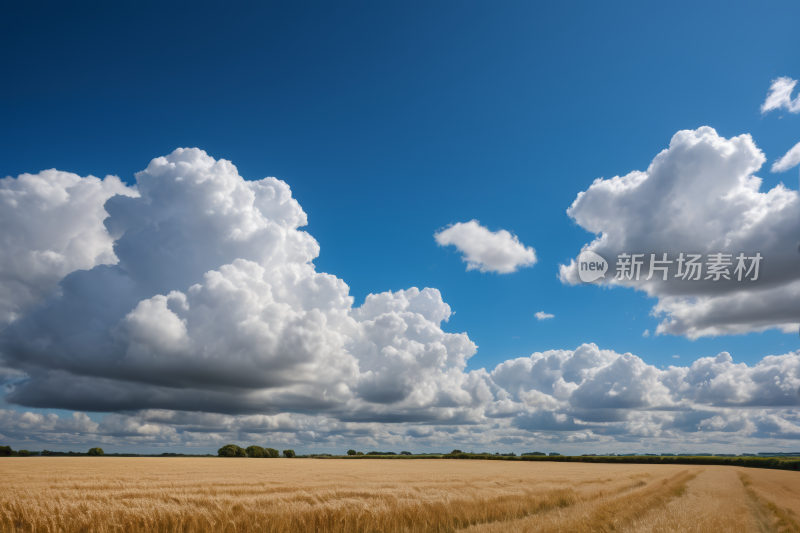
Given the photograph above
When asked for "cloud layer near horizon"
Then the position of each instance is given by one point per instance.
(560, 399)
(207, 321)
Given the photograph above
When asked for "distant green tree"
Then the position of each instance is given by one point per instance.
(272, 452)
(288, 453)
(96, 451)
(256, 451)
(24, 453)
(406, 453)
(6, 450)
(351, 452)
(232, 450)
(456, 451)
(359, 453)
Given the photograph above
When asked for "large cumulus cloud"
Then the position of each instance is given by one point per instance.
(207, 321)
(214, 305)
(700, 196)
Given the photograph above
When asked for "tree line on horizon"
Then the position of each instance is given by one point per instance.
(353, 452)
(8, 452)
(232, 450)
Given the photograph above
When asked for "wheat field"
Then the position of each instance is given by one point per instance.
(86, 494)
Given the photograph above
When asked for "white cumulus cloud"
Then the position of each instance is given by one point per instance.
(700, 196)
(487, 251)
(541, 315)
(214, 301)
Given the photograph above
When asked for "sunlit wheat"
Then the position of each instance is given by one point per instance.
(110, 495)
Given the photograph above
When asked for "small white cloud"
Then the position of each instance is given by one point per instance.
(789, 160)
(676, 356)
(780, 95)
(487, 251)
(646, 333)
(541, 315)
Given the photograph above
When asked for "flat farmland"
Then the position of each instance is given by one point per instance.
(104, 494)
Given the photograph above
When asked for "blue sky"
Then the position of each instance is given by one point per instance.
(391, 121)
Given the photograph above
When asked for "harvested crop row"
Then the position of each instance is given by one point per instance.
(769, 514)
(606, 512)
